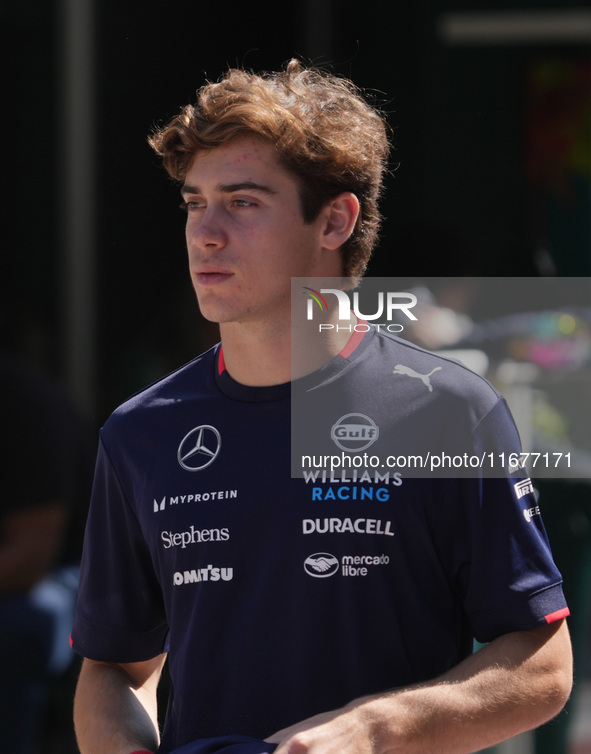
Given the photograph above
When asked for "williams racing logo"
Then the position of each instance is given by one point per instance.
(199, 448)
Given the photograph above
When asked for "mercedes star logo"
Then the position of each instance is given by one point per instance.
(199, 448)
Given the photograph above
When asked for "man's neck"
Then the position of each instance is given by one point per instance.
(272, 355)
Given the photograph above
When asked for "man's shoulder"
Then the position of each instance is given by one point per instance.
(441, 378)
(189, 382)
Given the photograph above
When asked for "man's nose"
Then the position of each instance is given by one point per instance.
(208, 231)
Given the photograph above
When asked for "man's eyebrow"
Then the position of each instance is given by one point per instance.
(230, 188)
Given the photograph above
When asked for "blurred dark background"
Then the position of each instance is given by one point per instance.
(491, 169)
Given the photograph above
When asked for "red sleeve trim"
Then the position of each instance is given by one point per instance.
(558, 615)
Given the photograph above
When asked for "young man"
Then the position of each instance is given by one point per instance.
(201, 545)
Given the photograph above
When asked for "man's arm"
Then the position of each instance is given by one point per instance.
(115, 708)
(516, 683)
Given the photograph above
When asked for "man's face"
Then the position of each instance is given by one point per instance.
(245, 233)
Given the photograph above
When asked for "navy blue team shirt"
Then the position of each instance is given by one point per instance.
(279, 597)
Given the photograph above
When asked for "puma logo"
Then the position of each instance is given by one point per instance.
(401, 369)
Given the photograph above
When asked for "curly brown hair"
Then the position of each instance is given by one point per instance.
(325, 133)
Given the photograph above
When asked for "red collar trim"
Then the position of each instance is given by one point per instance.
(349, 348)
(353, 341)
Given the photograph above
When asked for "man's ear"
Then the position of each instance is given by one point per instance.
(340, 216)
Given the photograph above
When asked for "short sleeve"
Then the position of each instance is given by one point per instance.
(503, 564)
(120, 614)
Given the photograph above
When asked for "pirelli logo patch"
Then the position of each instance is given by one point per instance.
(523, 488)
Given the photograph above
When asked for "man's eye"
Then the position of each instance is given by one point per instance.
(243, 203)
(190, 206)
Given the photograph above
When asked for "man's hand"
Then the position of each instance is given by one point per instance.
(339, 732)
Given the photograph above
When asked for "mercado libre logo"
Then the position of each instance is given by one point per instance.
(321, 565)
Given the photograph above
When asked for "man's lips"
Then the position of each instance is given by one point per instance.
(212, 278)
